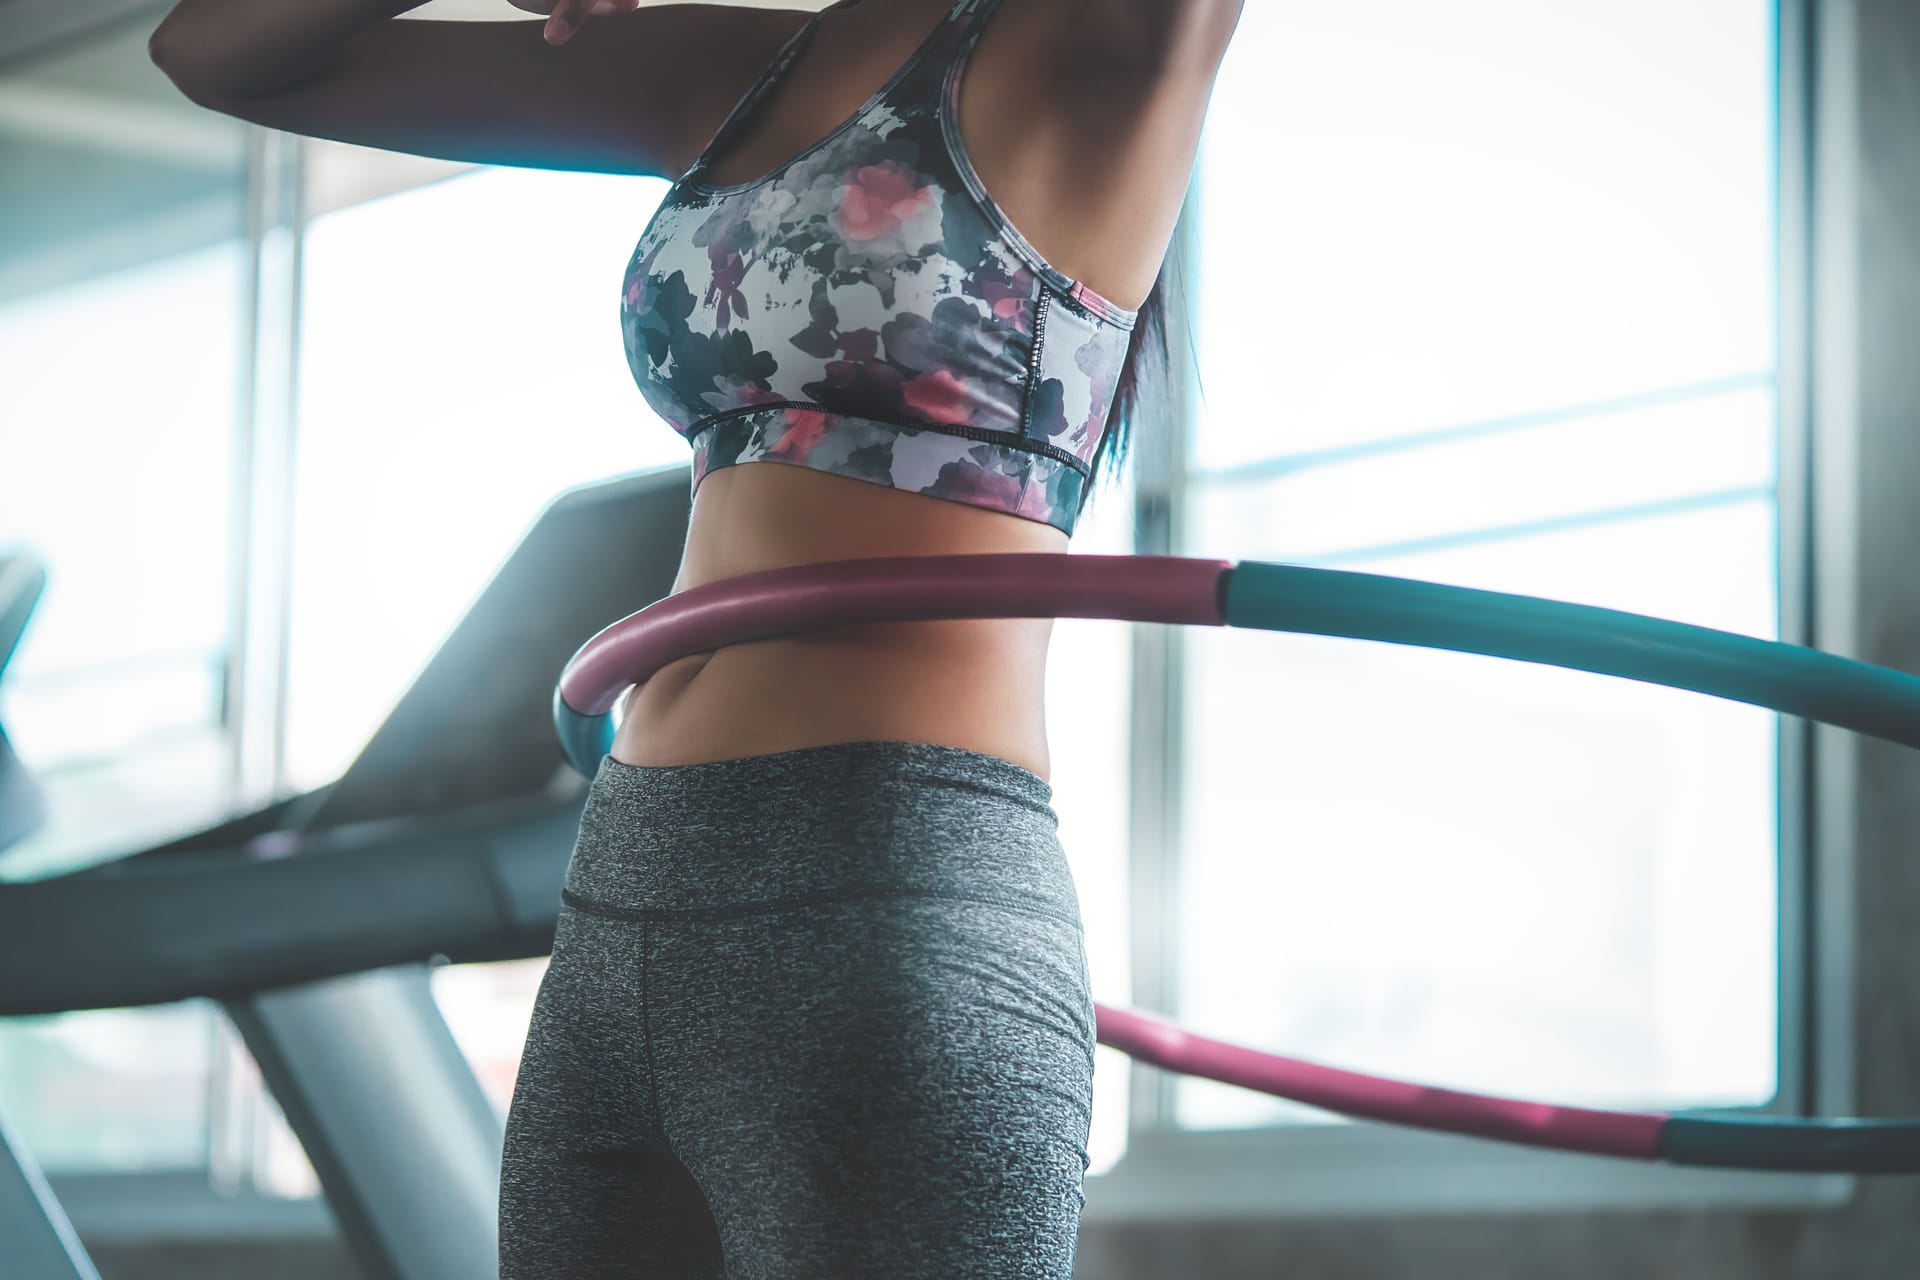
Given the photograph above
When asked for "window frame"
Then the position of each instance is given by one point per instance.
(217, 1195)
(1171, 1173)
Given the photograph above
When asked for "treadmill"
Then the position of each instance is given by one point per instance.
(313, 920)
(35, 1236)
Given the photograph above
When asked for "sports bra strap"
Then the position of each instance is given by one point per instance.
(935, 54)
(926, 71)
(759, 88)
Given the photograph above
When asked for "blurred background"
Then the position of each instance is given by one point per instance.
(1605, 303)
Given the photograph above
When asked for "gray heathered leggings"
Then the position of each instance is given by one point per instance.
(816, 1015)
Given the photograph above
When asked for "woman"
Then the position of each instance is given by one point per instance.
(818, 1005)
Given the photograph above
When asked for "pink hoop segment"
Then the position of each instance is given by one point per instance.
(777, 602)
(1147, 1038)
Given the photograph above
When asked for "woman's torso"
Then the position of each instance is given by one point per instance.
(1093, 177)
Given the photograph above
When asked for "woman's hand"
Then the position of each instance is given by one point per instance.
(564, 17)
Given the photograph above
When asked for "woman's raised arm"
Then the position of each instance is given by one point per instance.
(630, 91)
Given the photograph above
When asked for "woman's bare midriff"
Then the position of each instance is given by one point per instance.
(1099, 194)
(973, 683)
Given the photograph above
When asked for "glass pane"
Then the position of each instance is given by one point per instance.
(121, 269)
(1488, 874)
(122, 483)
(255, 1149)
(119, 1090)
(460, 366)
(488, 1007)
(101, 810)
(1379, 501)
(1417, 215)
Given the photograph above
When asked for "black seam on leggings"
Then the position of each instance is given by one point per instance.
(608, 911)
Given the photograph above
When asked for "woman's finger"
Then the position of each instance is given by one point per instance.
(566, 18)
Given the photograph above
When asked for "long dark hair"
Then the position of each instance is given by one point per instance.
(1147, 346)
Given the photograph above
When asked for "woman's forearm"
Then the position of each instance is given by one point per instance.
(253, 46)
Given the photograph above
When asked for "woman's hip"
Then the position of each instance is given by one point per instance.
(837, 823)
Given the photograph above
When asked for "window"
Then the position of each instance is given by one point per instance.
(1487, 297)
(460, 367)
(122, 259)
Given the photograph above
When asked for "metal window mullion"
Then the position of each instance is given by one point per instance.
(260, 532)
(223, 1089)
(1491, 535)
(234, 1101)
(263, 488)
(240, 470)
(1287, 465)
(1796, 1053)
(295, 202)
(1157, 720)
(1836, 186)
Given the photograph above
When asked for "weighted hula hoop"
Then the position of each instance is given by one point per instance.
(1275, 597)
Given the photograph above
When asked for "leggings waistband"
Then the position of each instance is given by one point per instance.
(845, 819)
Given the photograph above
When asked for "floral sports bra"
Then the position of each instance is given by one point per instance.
(866, 309)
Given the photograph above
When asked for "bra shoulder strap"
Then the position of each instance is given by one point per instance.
(924, 77)
(769, 76)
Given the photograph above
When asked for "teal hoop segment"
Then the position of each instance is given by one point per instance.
(1763, 673)
(584, 739)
